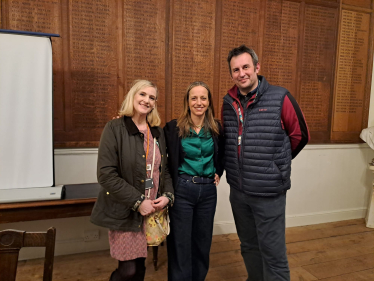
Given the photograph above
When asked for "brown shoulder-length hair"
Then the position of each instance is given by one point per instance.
(184, 122)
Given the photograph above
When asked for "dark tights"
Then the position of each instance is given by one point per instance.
(132, 270)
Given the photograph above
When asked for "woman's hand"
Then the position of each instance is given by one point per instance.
(146, 208)
(160, 203)
(216, 179)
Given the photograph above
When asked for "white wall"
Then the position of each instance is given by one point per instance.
(329, 183)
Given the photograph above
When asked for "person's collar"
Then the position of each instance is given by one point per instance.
(130, 125)
(250, 94)
(133, 130)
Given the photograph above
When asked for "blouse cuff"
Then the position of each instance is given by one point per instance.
(170, 196)
(137, 203)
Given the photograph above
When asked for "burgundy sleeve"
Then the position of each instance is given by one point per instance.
(294, 123)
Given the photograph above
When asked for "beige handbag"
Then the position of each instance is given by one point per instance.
(157, 227)
(157, 224)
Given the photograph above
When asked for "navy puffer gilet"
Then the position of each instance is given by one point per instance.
(263, 167)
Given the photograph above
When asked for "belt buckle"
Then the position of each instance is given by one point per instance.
(193, 179)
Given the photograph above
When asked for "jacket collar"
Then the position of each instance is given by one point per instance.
(233, 92)
(133, 130)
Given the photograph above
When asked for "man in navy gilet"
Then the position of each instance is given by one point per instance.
(264, 130)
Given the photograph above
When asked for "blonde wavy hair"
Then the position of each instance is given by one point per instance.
(184, 122)
(127, 107)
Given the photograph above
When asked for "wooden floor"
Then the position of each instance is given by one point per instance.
(339, 251)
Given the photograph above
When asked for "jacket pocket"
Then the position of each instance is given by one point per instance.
(116, 210)
(278, 171)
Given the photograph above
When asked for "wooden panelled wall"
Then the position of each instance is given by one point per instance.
(321, 50)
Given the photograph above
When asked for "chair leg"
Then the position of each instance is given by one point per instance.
(155, 259)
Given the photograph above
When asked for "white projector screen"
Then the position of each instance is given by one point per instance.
(26, 116)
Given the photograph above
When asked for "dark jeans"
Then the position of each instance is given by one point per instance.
(260, 223)
(191, 230)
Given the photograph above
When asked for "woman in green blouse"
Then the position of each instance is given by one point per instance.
(194, 145)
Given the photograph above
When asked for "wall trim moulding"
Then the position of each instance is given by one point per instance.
(77, 151)
(324, 217)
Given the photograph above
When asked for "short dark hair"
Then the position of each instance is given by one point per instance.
(241, 50)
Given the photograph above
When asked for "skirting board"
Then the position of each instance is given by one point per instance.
(324, 217)
(74, 246)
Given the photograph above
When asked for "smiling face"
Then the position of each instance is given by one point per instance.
(198, 101)
(145, 100)
(244, 73)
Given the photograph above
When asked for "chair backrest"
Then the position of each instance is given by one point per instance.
(11, 241)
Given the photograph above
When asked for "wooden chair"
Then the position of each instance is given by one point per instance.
(11, 241)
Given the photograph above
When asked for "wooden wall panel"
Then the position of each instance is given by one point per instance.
(91, 65)
(106, 44)
(349, 98)
(144, 42)
(240, 25)
(359, 3)
(192, 47)
(318, 59)
(280, 49)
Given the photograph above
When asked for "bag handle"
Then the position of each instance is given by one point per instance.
(157, 220)
(153, 163)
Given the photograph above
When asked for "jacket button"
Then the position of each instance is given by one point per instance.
(143, 156)
(142, 180)
(141, 135)
(139, 225)
(107, 193)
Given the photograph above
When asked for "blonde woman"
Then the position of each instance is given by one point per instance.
(194, 144)
(128, 193)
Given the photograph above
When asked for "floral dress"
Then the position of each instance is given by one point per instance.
(126, 246)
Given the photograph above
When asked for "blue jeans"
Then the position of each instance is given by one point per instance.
(260, 223)
(191, 230)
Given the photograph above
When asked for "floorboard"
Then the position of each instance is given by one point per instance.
(338, 251)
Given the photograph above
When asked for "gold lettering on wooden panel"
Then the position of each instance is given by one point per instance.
(43, 16)
(240, 24)
(193, 47)
(281, 44)
(351, 72)
(317, 66)
(93, 47)
(36, 16)
(144, 45)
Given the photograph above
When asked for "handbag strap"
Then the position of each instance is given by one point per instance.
(154, 155)
(153, 163)
(157, 220)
